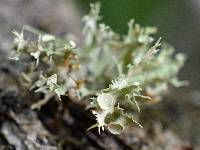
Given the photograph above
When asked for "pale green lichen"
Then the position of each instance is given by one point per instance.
(138, 70)
(122, 72)
(52, 60)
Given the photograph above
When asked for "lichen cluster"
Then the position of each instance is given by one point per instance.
(119, 73)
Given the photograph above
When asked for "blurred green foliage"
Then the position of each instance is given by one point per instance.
(117, 13)
(167, 15)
